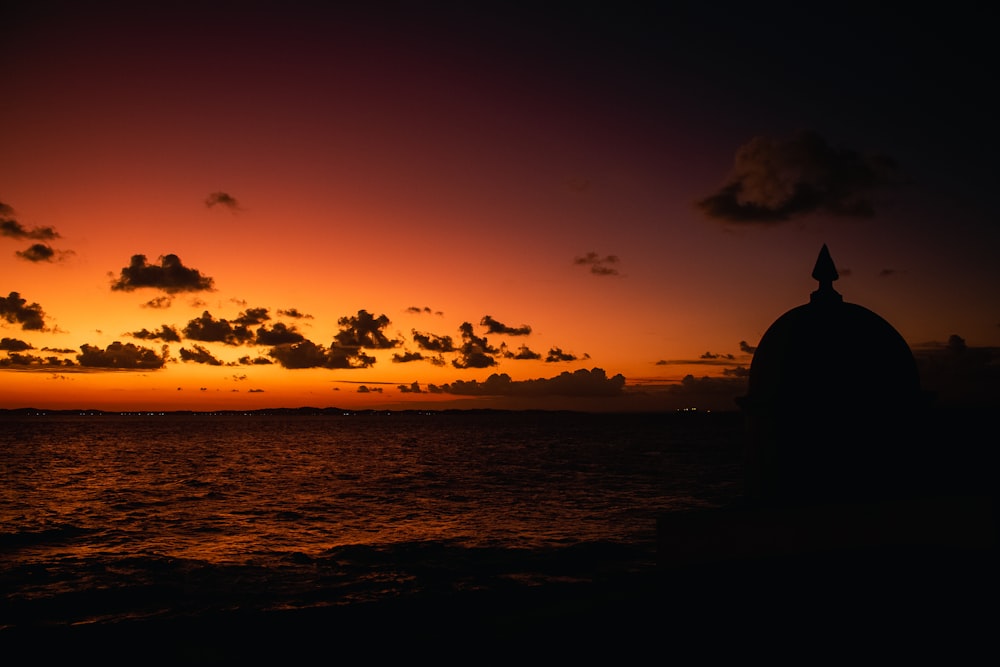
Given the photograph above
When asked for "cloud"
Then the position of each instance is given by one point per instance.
(252, 316)
(365, 330)
(348, 357)
(16, 310)
(709, 360)
(556, 354)
(279, 334)
(199, 355)
(774, 181)
(432, 342)
(960, 374)
(711, 389)
(118, 355)
(579, 383)
(600, 266)
(495, 327)
(257, 361)
(238, 331)
(475, 352)
(223, 199)
(524, 353)
(37, 252)
(294, 313)
(166, 333)
(210, 330)
(170, 275)
(14, 345)
(307, 354)
(14, 229)
(31, 362)
(416, 310)
(158, 302)
(40, 252)
(712, 356)
(407, 357)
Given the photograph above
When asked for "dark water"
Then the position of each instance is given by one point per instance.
(108, 517)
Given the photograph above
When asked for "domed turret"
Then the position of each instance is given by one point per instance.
(832, 402)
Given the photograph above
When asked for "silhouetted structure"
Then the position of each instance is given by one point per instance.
(834, 404)
(851, 484)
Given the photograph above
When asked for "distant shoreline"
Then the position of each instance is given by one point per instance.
(335, 412)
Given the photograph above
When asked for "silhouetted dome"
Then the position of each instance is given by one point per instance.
(831, 352)
(832, 398)
(836, 352)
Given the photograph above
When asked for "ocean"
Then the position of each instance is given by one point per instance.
(108, 518)
(458, 536)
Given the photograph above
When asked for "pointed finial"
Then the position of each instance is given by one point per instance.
(825, 273)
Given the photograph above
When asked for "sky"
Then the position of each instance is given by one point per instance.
(388, 205)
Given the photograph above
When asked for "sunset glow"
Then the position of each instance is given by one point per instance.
(227, 207)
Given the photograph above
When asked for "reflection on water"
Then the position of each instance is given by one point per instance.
(125, 503)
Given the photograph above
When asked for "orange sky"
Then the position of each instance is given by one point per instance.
(604, 210)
